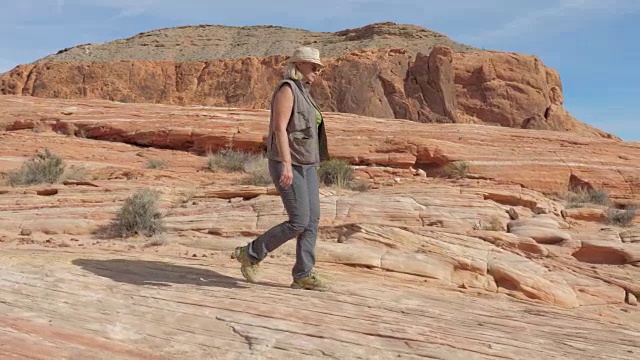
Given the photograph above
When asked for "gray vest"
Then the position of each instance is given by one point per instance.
(307, 141)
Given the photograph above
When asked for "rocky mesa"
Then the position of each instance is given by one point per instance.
(382, 70)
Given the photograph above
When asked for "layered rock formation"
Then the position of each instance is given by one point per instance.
(438, 85)
(547, 161)
(420, 266)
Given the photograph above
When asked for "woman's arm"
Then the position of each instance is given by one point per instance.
(282, 108)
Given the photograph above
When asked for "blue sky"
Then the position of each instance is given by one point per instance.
(592, 43)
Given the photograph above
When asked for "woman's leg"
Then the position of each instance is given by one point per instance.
(295, 199)
(306, 242)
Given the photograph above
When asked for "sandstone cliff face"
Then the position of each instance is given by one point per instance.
(493, 88)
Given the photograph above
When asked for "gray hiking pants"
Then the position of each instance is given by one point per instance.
(301, 200)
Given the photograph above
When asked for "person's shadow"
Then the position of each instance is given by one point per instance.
(157, 273)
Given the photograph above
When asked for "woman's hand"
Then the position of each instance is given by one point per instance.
(287, 175)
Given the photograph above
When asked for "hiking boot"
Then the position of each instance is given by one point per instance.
(311, 282)
(249, 266)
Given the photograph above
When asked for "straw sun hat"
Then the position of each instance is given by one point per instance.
(306, 54)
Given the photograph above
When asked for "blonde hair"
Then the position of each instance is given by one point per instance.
(292, 72)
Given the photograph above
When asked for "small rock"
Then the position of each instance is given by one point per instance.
(585, 214)
(513, 214)
(421, 173)
(47, 192)
(342, 239)
(236, 200)
(540, 210)
(631, 299)
(194, 255)
(25, 232)
(204, 255)
(397, 180)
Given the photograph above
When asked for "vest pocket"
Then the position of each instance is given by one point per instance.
(302, 146)
(301, 120)
(305, 133)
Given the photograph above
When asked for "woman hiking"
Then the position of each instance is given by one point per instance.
(296, 145)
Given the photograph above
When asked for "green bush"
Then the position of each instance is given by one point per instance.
(335, 172)
(339, 173)
(42, 168)
(139, 215)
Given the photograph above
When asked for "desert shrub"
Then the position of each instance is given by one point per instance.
(227, 159)
(456, 169)
(620, 217)
(339, 173)
(599, 197)
(45, 167)
(335, 172)
(257, 167)
(581, 196)
(156, 164)
(139, 215)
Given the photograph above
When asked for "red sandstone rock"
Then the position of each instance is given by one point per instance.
(487, 87)
(511, 155)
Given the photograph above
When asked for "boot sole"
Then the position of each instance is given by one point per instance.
(298, 287)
